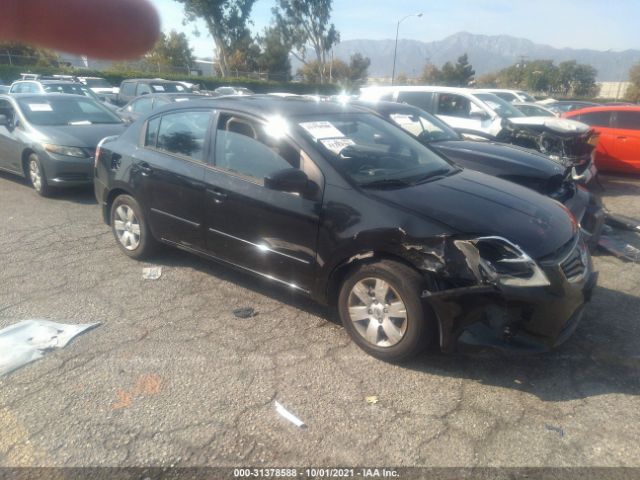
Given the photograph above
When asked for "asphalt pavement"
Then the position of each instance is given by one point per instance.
(172, 377)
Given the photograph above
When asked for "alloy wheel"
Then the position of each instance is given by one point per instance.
(377, 312)
(35, 175)
(127, 227)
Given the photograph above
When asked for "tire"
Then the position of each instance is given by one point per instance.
(131, 229)
(377, 325)
(36, 175)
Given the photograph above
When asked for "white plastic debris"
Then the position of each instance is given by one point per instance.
(289, 416)
(151, 273)
(28, 340)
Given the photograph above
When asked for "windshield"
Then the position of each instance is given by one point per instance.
(65, 110)
(372, 152)
(502, 108)
(97, 83)
(70, 88)
(169, 88)
(426, 128)
(527, 97)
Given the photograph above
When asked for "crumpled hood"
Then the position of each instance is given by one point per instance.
(83, 136)
(478, 204)
(500, 159)
(561, 126)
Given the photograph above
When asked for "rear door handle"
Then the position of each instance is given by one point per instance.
(146, 169)
(622, 138)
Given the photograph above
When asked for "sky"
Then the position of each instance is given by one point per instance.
(593, 24)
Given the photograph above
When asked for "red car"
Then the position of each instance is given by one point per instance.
(619, 129)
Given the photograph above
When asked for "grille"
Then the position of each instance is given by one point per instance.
(574, 266)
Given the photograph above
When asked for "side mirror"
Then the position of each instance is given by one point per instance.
(479, 115)
(289, 180)
(144, 93)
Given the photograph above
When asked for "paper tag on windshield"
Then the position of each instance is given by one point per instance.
(402, 119)
(336, 145)
(40, 107)
(158, 88)
(322, 130)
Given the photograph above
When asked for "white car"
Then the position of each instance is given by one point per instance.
(510, 96)
(462, 108)
(98, 85)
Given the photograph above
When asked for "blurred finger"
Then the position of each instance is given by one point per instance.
(110, 29)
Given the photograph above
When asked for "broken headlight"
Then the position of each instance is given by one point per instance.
(496, 260)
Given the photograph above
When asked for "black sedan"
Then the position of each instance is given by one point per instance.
(51, 138)
(145, 104)
(336, 203)
(520, 165)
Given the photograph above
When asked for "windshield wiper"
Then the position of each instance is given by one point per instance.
(443, 172)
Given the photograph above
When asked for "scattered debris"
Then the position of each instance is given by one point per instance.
(552, 428)
(245, 312)
(619, 248)
(625, 223)
(151, 273)
(289, 416)
(371, 399)
(26, 341)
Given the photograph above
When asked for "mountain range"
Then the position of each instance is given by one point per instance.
(487, 53)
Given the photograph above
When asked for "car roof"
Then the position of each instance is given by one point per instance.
(416, 88)
(605, 108)
(266, 105)
(44, 96)
(157, 80)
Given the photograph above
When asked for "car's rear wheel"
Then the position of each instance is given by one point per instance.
(130, 228)
(37, 176)
(380, 306)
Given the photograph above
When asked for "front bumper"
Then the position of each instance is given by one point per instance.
(62, 171)
(517, 319)
(590, 215)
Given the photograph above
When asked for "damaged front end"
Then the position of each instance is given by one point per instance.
(487, 291)
(569, 142)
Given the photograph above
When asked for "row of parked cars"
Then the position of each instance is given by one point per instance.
(375, 206)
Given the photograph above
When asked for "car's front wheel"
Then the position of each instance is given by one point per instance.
(130, 228)
(37, 176)
(380, 306)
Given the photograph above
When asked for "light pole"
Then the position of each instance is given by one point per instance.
(395, 52)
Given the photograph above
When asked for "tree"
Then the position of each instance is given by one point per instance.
(226, 21)
(431, 75)
(358, 69)
(275, 53)
(304, 23)
(14, 53)
(171, 50)
(245, 57)
(633, 93)
(464, 71)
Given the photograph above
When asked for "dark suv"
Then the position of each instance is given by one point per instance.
(336, 203)
(130, 89)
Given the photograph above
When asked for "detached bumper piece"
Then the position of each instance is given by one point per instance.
(519, 319)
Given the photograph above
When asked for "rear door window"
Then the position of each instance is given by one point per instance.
(628, 120)
(183, 133)
(128, 89)
(595, 119)
(421, 100)
(143, 89)
(454, 105)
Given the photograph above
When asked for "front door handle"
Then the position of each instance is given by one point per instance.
(622, 138)
(146, 169)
